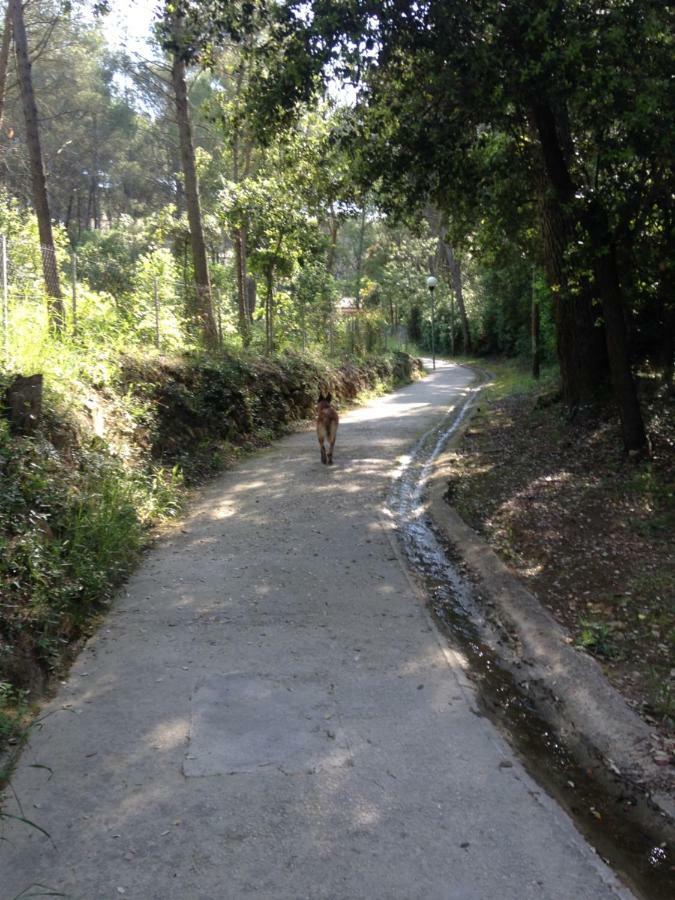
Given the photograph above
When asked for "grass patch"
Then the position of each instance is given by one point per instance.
(511, 377)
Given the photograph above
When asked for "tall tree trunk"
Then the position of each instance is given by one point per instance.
(69, 212)
(438, 224)
(359, 257)
(55, 309)
(333, 227)
(241, 258)
(5, 48)
(356, 323)
(535, 330)
(580, 344)
(4, 58)
(200, 309)
(668, 340)
(634, 436)
(603, 249)
(269, 311)
(455, 270)
(90, 206)
(251, 299)
(242, 287)
(665, 296)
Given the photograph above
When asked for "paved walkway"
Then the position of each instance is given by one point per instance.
(269, 712)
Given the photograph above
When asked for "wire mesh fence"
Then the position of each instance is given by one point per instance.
(47, 291)
(43, 291)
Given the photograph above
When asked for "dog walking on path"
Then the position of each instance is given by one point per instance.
(326, 427)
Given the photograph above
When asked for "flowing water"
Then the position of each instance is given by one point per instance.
(615, 819)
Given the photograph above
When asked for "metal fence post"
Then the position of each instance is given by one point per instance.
(74, 300)
(155, 297)
(5, 298)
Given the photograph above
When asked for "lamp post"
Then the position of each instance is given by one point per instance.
(431, 284)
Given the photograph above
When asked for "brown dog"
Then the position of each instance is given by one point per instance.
(326, 427)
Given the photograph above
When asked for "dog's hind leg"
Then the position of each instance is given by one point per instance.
(321, 434)
(332, 435)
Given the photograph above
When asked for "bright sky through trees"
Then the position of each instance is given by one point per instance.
(127, 25)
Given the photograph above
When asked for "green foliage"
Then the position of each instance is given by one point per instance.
(156, 307)
(107, 260)
(657, 493)
(71, 525)
(13, 707)
(597, 637)
(662, 695)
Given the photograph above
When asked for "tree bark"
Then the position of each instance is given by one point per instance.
(535, 332)
(356, 329)
(241, 257)
(668, 341)
(269, 311)
(69, 212)
(455, 269)
(359, 257)
(625, 393)
(665, 296)
(438, 224)
(242, 287)
(4, 58)
(333, 227)
(580, 345)
(200, 306)
(592, 219)
(251, 295)
(55, 308)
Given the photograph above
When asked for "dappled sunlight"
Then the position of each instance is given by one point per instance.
(381, 411)
(385, 589)
(367, 815)
(245, 486)
(168, 734)
(435, 657)
(225, 511)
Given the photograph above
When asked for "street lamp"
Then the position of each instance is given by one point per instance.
(431, 284)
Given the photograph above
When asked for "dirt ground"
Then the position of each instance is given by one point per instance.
(588, 530)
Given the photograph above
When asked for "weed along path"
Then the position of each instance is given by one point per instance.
(269, 711)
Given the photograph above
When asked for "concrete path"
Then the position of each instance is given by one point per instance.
(269, 712)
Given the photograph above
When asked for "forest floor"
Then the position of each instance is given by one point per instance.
(589, 531)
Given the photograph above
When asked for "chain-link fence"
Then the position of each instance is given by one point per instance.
(95, 299)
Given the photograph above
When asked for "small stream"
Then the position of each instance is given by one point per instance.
(615, 819)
